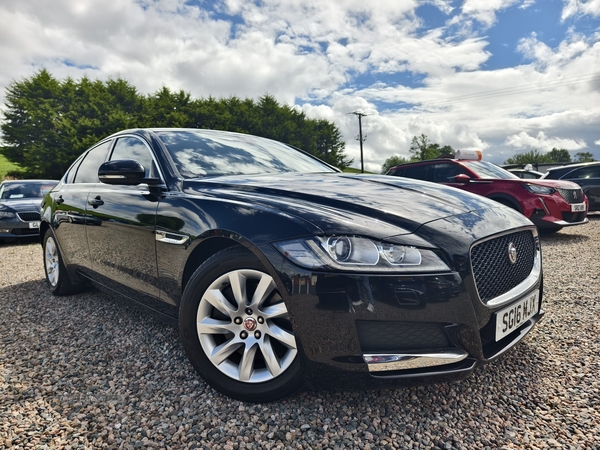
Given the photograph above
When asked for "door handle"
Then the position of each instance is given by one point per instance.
(96, 202)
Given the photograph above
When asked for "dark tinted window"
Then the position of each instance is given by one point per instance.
(88, 170)
(584, 173)
(445, 172)
(558, 173)
(133, 148)
(417, 172)
(397, 172)
(207, 153)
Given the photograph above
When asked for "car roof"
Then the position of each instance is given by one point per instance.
(575, 166)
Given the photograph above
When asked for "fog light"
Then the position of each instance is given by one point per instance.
(5, 230)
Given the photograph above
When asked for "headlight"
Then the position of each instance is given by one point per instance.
(6, 214)
(537, 189)
(353, 253)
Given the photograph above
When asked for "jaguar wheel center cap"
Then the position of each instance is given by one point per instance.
(250, 324)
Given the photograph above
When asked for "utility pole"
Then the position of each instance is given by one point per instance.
(360, 138)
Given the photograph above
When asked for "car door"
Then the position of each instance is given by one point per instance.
(70, 205)
(589, 180)
(120, 228)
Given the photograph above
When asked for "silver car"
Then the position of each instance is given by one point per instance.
(20, 207)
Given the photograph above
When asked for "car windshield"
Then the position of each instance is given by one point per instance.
(210, 153)
(484, 169)
(24, 189)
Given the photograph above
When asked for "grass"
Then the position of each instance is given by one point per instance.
(6, 166)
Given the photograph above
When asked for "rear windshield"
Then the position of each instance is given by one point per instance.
(211, 153)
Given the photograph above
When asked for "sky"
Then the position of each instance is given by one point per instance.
(501, 76)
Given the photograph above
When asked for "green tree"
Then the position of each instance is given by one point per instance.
(584, 157)
(393, 161)
(530, 157)
(559, 155)
(48, 122)
(421, 148)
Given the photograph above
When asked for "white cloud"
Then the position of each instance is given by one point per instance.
(485, 10)
(575, 7)
(543, 142)
(310, 53)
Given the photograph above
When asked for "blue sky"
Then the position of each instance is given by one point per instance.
(503, 76)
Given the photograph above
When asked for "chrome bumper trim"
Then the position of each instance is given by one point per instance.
(564, 223)
(416, 360)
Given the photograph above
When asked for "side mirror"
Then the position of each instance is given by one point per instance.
(462, 178)
(125, 172)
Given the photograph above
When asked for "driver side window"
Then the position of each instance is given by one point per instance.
(132, 148)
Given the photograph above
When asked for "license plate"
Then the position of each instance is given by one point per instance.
(578, 207)
(34, 224)
(515, 315)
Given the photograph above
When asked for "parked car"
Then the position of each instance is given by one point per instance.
(586, 175)
(549, 204)
(526, 174)
(283, 272)
(20, 207)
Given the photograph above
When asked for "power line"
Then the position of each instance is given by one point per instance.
(523, 89)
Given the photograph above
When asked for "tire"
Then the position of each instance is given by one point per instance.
(57, 277)
(508, 203)
(243, 347)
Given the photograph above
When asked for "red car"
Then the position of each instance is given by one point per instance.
(549, 204)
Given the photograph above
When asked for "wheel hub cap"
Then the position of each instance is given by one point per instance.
(250, 324)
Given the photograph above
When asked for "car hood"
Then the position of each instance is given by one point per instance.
(556, 184)
(374, 205)
(21, 204)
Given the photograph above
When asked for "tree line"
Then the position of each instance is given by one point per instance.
(47, 122)
(421, 149)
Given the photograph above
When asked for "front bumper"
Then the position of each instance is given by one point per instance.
(14, 227)
(553, 212)
(369, 331)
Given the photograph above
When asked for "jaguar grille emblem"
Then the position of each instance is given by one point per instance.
(512, 253)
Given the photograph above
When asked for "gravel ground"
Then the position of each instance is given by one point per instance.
(92, 371)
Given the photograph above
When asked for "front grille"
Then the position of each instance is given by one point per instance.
(494, 273)
(573, 217)
(380, 336)
(29, 216)
(571, 195)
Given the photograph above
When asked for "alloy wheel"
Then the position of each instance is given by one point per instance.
(244, 327)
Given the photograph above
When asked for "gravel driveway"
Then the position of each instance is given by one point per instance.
(92, 371)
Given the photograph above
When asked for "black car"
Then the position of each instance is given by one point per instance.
(283, 272)
(20, 207)
(586, 175)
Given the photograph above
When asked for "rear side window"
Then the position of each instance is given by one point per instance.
(88, 169)
(445, 172)
(584, 173)
(417, 172)
(397, 172)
